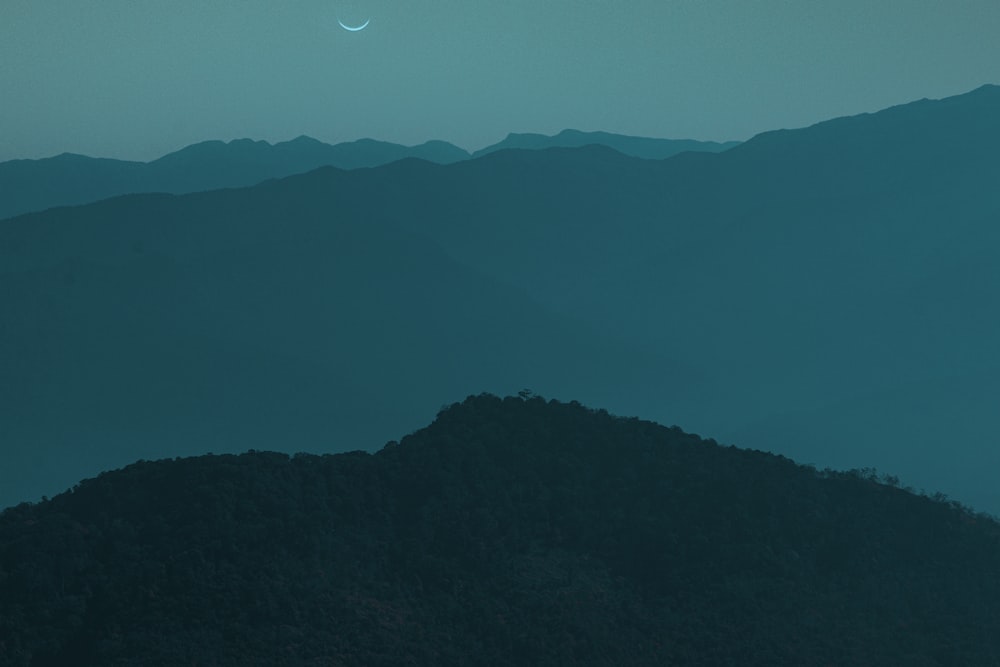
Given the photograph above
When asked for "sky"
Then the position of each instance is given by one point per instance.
(135, 79)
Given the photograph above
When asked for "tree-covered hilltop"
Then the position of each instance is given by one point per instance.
(512, 531)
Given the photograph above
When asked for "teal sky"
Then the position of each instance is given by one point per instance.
(138, 78)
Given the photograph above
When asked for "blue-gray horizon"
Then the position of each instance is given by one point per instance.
(134, 82)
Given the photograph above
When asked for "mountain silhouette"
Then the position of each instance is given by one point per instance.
(512, 531)
(830, 283)
(642, 147)
(214, 164)
(823, 293)
(64, 180)
(149, 326)
(68, 179)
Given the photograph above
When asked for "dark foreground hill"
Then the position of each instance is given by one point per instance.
(509, 532)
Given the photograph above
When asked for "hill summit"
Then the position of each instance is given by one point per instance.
(510, 531)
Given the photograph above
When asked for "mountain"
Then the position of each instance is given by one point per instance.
(66, 180)
(150, 326)
(642, 147)
(213, 164)
(509, 532)
(823, 293)
(69, 180)
(830, 283)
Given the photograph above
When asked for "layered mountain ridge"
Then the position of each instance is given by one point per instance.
(70, 179)
(823, 293)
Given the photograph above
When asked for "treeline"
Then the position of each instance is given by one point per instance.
(509, 532)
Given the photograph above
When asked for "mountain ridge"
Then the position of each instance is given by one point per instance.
(831, 311)
(642, 147)
(32, 185)
(507, 532)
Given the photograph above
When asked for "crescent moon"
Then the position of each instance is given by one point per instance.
(354, 28)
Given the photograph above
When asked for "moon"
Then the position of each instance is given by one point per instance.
(354, 28)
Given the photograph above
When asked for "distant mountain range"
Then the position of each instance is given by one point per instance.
(509, 532)
(641, 147)
(68, 179)
(825, 293)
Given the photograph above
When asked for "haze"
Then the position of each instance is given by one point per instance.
(135, 79)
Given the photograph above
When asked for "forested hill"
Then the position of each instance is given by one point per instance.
(512, 531)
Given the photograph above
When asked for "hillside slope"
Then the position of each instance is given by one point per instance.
(508, 532)
(155, 326)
